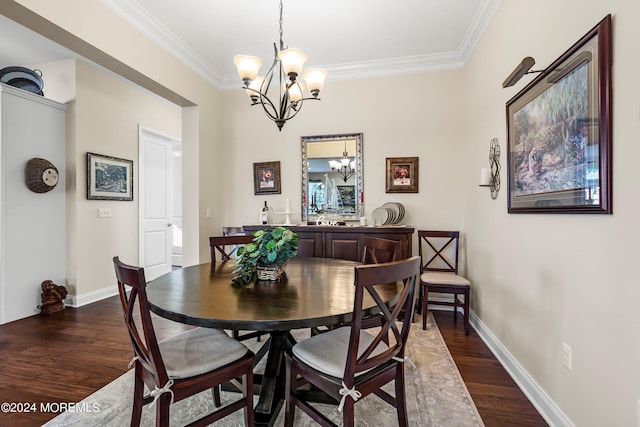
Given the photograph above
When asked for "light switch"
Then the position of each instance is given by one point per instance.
(104, 213)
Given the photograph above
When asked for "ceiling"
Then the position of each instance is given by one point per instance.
(350, 38)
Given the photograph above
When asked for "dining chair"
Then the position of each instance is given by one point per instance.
(439, 272)
(350, 363)
(219, 244)
(183, 365)
(377, 250)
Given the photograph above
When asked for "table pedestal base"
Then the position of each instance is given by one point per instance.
(271, 389)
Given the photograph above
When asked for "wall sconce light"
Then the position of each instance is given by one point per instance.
(520, 71)
(490, 177)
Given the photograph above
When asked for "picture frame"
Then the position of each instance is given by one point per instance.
(559, 141)
(402, 175)
(348, 197)
(266, 178)
(109, 178)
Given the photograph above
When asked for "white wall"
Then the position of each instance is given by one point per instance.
(32, 225)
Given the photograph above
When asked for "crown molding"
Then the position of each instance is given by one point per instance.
(379, 68)
(485, 13)
(140, 19)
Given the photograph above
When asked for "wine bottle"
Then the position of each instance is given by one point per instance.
(264, 215)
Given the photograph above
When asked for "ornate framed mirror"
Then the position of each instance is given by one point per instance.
(332, 178)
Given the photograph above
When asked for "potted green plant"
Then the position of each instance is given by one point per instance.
(267, 256)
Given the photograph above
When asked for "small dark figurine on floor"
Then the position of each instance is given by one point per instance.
(52, 297)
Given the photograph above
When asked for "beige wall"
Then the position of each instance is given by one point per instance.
(541, 280)
(93, 30)
(538, 280)
(108, 112)
(399, 117)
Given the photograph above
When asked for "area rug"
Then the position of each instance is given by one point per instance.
(436, 396)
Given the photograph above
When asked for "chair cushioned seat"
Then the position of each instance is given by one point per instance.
(441, 278)
(327, 352)
(199, 351)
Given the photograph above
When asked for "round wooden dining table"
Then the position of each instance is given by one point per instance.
(313, 292)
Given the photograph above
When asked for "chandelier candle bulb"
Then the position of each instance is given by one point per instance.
(295, 92)
(485, 177)
(248, 66)
(292, 61)
(315, 80)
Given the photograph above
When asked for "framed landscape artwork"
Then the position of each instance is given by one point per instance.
(109, 178)
(402, 175)
(266, 178)
(348, 197)
(559, 133)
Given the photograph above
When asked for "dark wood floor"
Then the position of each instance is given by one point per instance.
(499, 400)
(64, 357)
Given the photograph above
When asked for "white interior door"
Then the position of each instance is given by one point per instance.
(156, 233)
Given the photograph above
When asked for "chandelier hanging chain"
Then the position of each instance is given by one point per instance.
(281, 44)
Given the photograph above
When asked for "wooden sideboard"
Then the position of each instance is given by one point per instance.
(343, 242)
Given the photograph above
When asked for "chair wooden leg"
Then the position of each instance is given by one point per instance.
(138, 397)
(290, 385)
(455, 307)
(425, 302)
(247, 381)
(162, 410)
(215, 391)
(401, 400)
(466, 312)
(348, 416)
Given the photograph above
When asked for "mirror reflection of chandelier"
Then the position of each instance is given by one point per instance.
(344, 167)
(289, 95)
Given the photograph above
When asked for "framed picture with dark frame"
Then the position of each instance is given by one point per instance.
(559, 133)
(109, 178)
(266, 178)
(402, 175)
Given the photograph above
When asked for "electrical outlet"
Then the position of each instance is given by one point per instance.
(566, 356)
(104, 213)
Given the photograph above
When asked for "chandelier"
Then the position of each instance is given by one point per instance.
(287, 65)
(343, 167)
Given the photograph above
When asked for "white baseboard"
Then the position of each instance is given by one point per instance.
(542, 402)
(89, 297)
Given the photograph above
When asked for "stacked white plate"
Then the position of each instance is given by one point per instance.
(389, 213)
